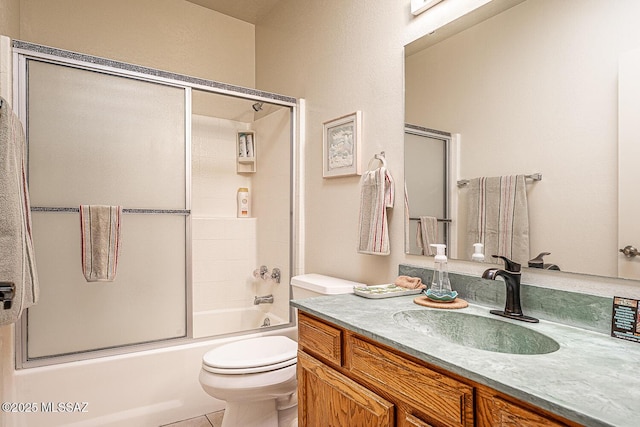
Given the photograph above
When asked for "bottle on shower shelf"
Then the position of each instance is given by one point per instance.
(244, 203)
(242, 146)
(250, 145)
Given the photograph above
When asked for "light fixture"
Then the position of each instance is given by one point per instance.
(419, 6)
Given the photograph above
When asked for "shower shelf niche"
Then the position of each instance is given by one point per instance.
(246, 152)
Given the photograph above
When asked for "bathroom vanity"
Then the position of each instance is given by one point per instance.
(359, 366)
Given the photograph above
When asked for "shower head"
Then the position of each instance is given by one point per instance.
(257, 106)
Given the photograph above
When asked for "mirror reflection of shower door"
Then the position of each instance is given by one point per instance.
(426, 171)
(95, 138)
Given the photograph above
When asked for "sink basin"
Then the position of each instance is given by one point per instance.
(483, 333)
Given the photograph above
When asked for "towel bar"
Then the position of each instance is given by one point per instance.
(437, 219)
(127, 211)
(534, 176)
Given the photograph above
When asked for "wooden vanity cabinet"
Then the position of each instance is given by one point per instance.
(345, 379)
(328, 398)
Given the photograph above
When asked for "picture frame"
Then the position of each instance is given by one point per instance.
(341, 142)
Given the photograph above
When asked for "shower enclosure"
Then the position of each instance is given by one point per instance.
(165, 148)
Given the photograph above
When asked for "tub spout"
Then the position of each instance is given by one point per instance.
(267, 299)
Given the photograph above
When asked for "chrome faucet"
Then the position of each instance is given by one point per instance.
(267, 299)
(511, 276)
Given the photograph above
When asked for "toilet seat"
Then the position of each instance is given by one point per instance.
(253, 355)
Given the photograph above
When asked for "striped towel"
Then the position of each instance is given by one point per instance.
(377, 194)
(499, 217)
(427, 234)
(100, 234)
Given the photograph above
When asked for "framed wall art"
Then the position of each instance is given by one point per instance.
(341, 146)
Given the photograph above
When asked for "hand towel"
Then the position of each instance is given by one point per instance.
(377, 194)
(17, 262)
(427, 234)
(409, 282)
(100, 235)
(499, 217)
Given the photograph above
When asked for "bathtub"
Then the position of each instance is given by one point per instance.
(229, 320)
(144, 388)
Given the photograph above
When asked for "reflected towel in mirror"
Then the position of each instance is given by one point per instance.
(427, 234)
(499, 217)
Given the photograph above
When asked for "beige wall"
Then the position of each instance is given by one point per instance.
(172, 35)
(341, 57)
(346, 56)
(10, 18)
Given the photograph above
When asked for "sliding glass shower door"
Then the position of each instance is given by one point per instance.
(97, 138)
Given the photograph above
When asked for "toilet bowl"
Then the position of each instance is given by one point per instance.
(256, 377)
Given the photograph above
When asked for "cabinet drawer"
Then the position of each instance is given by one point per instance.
(507, 414)
(411, 421)
(320, 339)
(445, 400)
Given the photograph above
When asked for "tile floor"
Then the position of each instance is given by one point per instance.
(213, 419)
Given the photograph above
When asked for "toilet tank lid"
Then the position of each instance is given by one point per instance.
(325, 285)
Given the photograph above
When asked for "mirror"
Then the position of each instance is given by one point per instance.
(534, 89)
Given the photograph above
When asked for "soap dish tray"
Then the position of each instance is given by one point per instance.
(383, 291)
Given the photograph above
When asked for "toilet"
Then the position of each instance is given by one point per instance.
(256, 377)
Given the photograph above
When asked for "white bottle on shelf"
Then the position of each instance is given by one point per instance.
(244, 203)
(242, 146)
(250, 145)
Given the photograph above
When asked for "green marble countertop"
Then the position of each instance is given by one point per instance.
(592, 379)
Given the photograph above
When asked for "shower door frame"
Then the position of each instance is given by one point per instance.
(25, 51)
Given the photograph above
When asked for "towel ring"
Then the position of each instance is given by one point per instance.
(379, 157)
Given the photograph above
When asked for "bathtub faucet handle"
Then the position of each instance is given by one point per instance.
(261, 273)
(275, 275)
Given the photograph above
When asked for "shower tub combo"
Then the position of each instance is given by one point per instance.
(129, 352)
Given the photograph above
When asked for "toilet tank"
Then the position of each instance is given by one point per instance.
(313, 285)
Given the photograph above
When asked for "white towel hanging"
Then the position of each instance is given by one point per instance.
(377, 194)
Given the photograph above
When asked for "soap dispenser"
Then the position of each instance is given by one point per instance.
(478, 254)
(440, 289)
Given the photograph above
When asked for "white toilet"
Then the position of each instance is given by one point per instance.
(256, 377)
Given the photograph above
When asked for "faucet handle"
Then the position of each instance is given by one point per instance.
(511, 266)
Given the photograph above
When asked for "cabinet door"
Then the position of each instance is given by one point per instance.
(326, 398)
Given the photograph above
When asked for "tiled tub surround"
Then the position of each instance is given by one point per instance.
(591, 379)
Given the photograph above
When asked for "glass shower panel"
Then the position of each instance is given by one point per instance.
(146, 302)
(102, 139)
(95, 138)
